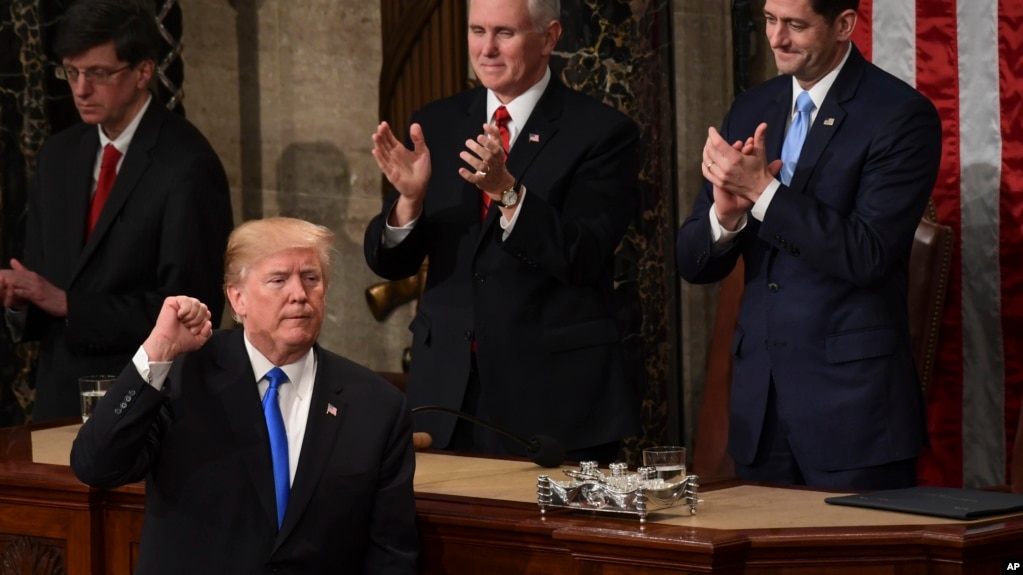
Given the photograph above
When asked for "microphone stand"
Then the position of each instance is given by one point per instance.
(543, 450)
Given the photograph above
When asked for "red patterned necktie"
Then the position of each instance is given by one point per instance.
(107, 174)
(501, 118)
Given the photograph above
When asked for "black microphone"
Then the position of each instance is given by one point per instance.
(543, 450)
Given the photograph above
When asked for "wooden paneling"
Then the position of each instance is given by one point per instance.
(52, 524)
(48, 522)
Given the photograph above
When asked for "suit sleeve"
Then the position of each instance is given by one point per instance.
(194, 224)
(118, 444)
(403, 260)
(896, 178)
(397, 262)
(599, 199)
(694, 258)
(394, 540)
(37, 320)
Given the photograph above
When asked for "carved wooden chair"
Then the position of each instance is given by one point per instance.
(929, 264)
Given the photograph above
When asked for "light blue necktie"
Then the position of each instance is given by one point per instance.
(278, 440)
(795, 137)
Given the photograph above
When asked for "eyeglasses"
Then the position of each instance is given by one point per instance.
(92, 75)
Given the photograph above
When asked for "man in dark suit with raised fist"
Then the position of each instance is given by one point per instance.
(517, 193)
(262, 452)
(126, 208)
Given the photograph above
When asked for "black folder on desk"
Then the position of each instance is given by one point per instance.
(937, 501)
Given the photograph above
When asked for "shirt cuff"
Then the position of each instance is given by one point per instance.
(395, 235)
(760, 207)
(506, 224)
(721, 238)
(154, 372)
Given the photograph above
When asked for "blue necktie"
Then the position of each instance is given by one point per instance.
(795, 137)
(278, 440)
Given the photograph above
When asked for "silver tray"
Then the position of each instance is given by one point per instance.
(619, 491)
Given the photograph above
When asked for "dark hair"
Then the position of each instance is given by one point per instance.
(830, 9)
(91, 23)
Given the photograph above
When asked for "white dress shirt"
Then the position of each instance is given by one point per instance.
(121, 142)
(520, 109)
(722, 237)
(294, 397)
(17, 318)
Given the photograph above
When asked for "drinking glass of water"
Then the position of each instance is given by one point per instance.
(92, 388)
(669, 461)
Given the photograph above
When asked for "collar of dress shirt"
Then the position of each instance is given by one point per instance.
(300, 373)
(819, 90)
(124, 140)
(521, 107)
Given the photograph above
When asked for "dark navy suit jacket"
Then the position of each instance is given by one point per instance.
(824, 310)
(162, 232)
(203, 449)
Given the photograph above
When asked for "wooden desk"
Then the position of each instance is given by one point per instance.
(480, 516)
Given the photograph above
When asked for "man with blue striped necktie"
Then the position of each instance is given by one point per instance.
(261, 450)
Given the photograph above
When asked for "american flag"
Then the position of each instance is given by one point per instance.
(331, 410)
(534, 138)
(967, 57)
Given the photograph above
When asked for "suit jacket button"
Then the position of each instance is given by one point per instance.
(467, 335)
(117, 410)
(773, 287)
(124, 405)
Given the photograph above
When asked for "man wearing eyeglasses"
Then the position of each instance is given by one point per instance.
(126, 208)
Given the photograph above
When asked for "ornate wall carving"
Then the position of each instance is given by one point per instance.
(35, 555)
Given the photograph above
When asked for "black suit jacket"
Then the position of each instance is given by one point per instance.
(203, 448)
(824, 310)
(162, 232)
(539, 305)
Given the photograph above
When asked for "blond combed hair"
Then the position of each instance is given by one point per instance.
(256, 240)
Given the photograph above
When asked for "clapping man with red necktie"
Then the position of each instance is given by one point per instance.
(126, 208)
(517, 321)
(818, 179)
(262, 452)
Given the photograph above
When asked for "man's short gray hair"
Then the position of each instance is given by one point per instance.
(543, 12)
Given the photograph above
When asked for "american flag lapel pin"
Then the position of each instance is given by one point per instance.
(331, 410)
(829, 122)
(534, 138)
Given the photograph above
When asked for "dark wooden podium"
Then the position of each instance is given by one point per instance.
(479, 515)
